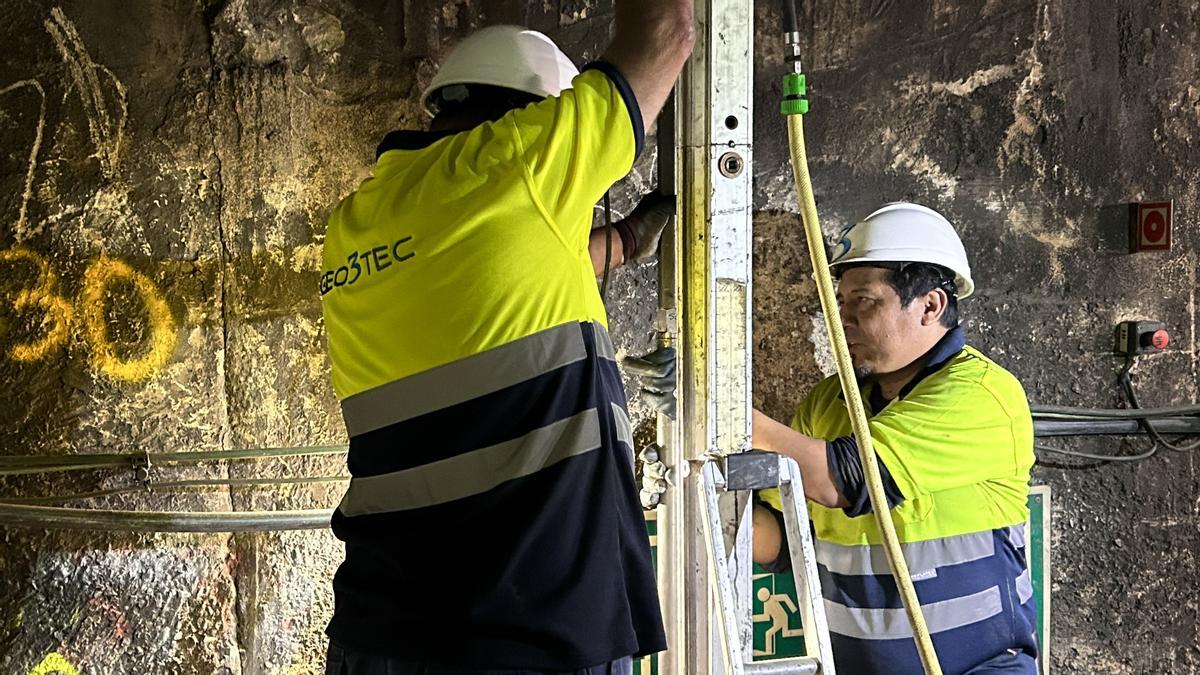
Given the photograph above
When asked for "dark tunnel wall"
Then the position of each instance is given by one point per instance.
(168, 167)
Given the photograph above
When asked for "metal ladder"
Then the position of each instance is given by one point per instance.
(705, 141)
(734, 572)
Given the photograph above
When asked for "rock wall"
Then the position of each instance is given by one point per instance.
(167, 169)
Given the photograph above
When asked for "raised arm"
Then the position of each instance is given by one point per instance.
(653, 40)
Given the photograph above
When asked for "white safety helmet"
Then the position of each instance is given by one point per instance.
(505, 56)
(904, 232)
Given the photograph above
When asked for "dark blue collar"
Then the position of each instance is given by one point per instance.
(409, 139)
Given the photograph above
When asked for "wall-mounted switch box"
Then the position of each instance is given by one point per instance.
(1141, 337)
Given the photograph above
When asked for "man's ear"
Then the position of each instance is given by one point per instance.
(934, 307)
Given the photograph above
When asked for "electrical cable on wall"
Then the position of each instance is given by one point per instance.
(1143, 416)
(60, 518)
(167, 486)
(35, 464)
(1126, 380)
(33, 512)
(1066, 412)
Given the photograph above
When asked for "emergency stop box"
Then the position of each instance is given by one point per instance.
(1141, 337)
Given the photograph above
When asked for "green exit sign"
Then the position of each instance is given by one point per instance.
(778, 629)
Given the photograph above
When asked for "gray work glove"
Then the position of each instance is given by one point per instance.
(641, 230)
(656, 477)
(656, 371)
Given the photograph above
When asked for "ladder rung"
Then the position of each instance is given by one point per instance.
(801, 665)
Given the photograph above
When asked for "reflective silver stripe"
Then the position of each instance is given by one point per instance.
(604, 344)
(1024, 587)
(1016, 535)
(624, 431)
(923, 557)
(891, 624)
(475, 472)
(624, 428)
(464, 379)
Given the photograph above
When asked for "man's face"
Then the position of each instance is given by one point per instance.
(878, 330)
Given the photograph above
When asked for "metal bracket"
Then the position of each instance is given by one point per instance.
(754, 470)
(142, 469)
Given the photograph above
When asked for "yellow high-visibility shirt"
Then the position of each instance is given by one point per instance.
(959, 446)
(486, 230)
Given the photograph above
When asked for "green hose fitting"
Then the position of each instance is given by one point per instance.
(795, 91)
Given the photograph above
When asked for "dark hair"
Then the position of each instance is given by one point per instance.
(912, 280)
(482, 103)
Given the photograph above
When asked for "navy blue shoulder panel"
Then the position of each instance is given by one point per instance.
(409, 139)
(631, 102)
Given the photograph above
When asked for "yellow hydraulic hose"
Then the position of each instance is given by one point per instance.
(794, 107)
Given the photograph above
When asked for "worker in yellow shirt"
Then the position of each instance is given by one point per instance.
(492, 522)
(954, 437)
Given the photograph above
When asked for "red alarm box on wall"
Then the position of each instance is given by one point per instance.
(1150, 226)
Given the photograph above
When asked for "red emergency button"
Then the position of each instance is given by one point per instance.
(1142, 337)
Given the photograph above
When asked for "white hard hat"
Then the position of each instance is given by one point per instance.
(505, 56)
(905, 232)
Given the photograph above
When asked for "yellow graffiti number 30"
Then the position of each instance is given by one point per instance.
(58, 315)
